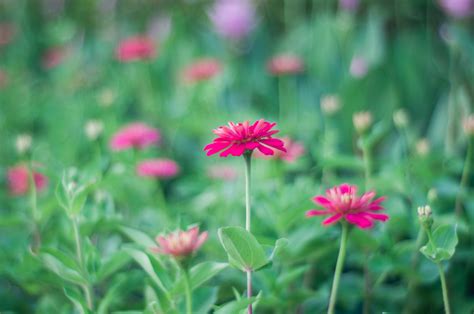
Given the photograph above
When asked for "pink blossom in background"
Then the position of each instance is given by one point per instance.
(342, 202)
(457, 8)
(3, 79)
(135, 48)
(358, 67)
(236, 139)
(233, 19)
(294, 150)
(19, 181)
(202, 69)
(222, 172)
(349, 5)
(7, 31)
(158, 168)
(180, 244)
(285, 64)
(136, 135)
(53, 57)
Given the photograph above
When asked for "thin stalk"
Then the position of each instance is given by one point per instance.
(34, 211)
(339, 265)
(249, 290)
(77, 239)
(248, 157)
(187, 287)
(161, 196)
(464, 177)
(444, 288)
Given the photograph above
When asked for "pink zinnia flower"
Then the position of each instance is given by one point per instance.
(180, 244)
(7, 31)
(342, 202)
(233, 19)
(53, 57)
(222, 172)
(236, 139)
(135, 48)
(285, 64)
(358, 67)
(158, 168)
(294, 150)
(19, 181)
(458, 8)
(201, 70)
(136, 135)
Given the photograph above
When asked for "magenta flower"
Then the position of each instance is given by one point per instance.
(294, 150)
(136, 135)
(180, 244)
(158, 168)
(285, 64)
(457, 8)
(135, 48)
(233, 19)
(201, 70)
(19, 181)
(342, 202)
(236, 139)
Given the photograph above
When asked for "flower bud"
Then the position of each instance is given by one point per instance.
(468, 125)
(423, 147)
(330, 104)
(362, 121)
(93, 129)
(425, 216)
(400, 118)
(23, 143)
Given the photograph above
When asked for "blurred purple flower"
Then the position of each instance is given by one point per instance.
(233, 19)
(359, 67)
(457, 8)
(349, 5)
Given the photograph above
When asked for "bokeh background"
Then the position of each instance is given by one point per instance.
(72, 73)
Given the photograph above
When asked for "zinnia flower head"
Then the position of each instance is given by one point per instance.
(180, 244)
(342, 202)
(285, 64)
(202, 69)
(135, 48)
(19, 180)
(236, 139)
(233, 19)
(457, 8)
(294, 150)
(158, 168)
(136, 135)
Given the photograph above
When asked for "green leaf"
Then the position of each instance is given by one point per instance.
(112, 264)
(280, 244)
(138, 237)
(62, 268)
(237, 306)
(444, 244)
(76, 299)
(243, 250)
(199, 275)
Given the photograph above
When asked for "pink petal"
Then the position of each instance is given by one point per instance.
(201, 239)
(321, 200)
(234, 150)
(359, 220)
(315, 212)
(265, 150)
(382, 217)
(331, 220)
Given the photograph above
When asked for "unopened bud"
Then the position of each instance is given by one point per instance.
(93, 129)
(362, 121)
(424, 215)
(423, 147)
(23, 143)
(330, 104)
(400, 118)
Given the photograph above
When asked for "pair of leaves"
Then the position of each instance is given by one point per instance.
(244, 251)
(443, 245)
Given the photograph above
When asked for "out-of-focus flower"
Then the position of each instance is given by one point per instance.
(425, 216)
(423, 147)
(236, 139)
(468, 125)
(342, 202)
(136, 135)
(222, 172)
(7, 31)
(233, 19)
(135, 48)
(358, 67)
(158, 168)
(294, 150)
(159, 27)
(106, 97)
(53, 57)
(362, 121)
(330, 104)
(349, 5)
(457, 8)
(400, 118)
(3, 79)
(23, 143)
(19, 181)
(284, 64)
(202, 69)
(180, 244)
(93, 129)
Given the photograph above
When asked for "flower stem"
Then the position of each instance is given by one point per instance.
(77, 239)
(444, 288)
(339, 264)
(187, 287)
(34, 211)
(247, 157)
(464, 177)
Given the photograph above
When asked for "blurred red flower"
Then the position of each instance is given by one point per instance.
(202, 69)
(135, 48)
(19, 181)
(158, 168)
(180, 244)
(294, 150)
(342, 202)
(285, 64)
(236, 139)
(136, 135)
(53, 57)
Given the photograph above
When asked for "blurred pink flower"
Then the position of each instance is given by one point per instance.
(342, 202)
(349, 5)
(136, 135)
(285, 64)
(236, 139)
(3, 79)
(222, 172)
(158, 168)
(53, 57)
(19, 181)
(233, 19)
(359, 67)
(458, 8)
(294, 150)
(7, 31)
(135, 48)
(180, 244)
(202, 69)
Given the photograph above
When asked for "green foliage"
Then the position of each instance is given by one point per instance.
(443, 246)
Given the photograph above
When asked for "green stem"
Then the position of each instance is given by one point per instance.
(444, 288)
(34, 210)
(464, 177)
(248, 158)
(339, 265)
(77, 239)
(187, 287)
